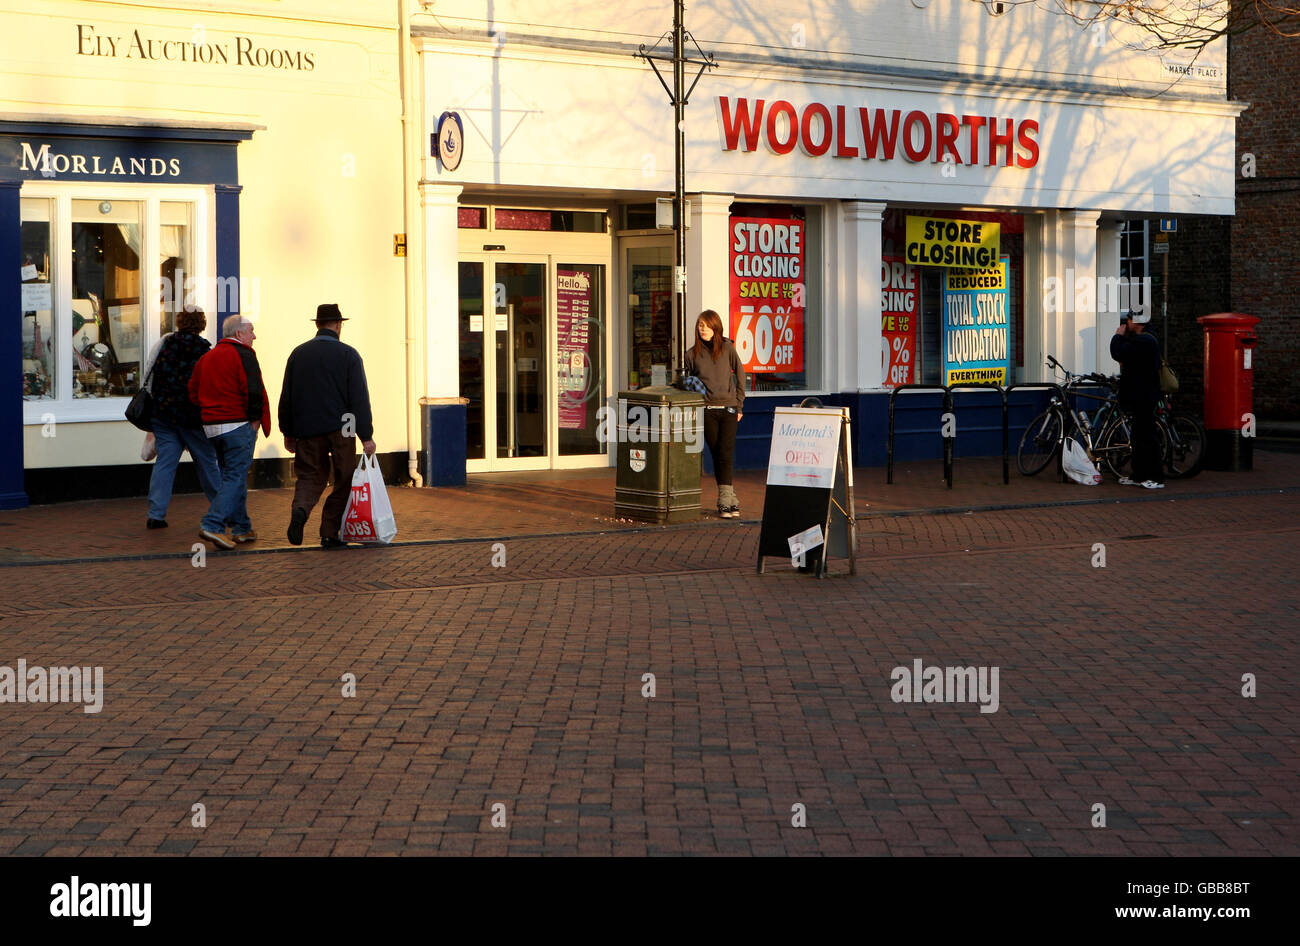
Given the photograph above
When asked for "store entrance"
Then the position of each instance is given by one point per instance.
(532, 361)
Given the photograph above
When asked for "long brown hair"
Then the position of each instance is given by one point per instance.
(713, 321)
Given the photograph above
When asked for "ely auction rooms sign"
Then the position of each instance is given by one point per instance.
(197, 47)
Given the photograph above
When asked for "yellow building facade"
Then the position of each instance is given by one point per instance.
(243, 159)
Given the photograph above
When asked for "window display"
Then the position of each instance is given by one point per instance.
(103, 277)
(776, 294)
(106, 325)
(38, 337)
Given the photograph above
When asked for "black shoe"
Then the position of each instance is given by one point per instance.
(296, 522)
(156, 524)
(331, 543)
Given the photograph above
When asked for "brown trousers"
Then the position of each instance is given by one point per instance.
(315, 460)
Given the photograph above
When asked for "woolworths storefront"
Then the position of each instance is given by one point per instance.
(859, 232)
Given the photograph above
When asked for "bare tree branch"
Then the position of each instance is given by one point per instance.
(1176, 24)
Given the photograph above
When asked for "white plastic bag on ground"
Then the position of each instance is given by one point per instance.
(369, 515)
(1076, 464)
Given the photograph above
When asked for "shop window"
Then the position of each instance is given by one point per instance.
(580, 355)
(930, 369)
(1134, 265)
(176, 262)
(40, 362)
(106, 334)
(639, 217)
(104, 273)
(565, 221)
(776, 313)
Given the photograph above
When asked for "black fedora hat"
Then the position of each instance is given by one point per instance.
(329, 312)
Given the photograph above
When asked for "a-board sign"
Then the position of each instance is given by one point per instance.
(805, 446)
(808, 505)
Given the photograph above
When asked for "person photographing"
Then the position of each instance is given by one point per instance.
(1138, 354)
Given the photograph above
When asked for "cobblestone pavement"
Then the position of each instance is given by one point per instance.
(522, 686)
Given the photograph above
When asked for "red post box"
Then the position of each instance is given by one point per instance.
(1229, 390)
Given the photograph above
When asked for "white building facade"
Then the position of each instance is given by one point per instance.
(820, 138)
(880, 194)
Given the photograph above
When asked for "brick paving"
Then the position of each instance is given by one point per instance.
(522, 686)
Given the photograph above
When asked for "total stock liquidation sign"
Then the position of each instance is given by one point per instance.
(767, 293)
(977, 324)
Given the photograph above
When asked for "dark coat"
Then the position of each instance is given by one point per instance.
(1138, 354)
(170, 378)
(324, 380)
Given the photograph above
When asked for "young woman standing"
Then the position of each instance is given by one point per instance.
(714, 361)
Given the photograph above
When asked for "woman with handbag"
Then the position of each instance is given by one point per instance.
(714, 361)
(176, 423)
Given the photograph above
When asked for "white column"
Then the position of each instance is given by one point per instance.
(1036, 298)
(1058, 293)
(438, 203)
(708, 284)
(1112, 297)
(860, 318)
(1081, 256)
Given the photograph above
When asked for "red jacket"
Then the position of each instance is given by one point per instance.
(227, 386)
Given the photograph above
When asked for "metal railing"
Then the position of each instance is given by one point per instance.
(949, 404)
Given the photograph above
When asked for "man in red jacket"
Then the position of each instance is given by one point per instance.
(227, 387)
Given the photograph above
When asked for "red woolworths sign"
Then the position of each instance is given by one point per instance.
(767, 293)
(879, 133)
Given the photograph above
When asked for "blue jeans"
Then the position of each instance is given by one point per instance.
(235, 455)
(172, 441)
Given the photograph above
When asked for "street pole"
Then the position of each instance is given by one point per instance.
(680, 97)
(679, 192)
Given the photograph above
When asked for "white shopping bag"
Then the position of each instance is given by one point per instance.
(369, 515)
(1076, 464)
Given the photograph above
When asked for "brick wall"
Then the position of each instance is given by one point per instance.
(1199, 280)
(1264, 70)
(1251, 262)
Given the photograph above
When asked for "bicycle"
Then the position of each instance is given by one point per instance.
(1182, 442)
(1104, 438)
(1107, 436)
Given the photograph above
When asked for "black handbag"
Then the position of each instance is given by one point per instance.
(140, 409)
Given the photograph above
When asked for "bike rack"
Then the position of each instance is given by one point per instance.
(1035, 386)
(984, 386)
(947, 403)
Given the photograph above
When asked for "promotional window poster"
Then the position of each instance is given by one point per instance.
(767, 293)
(900, 313)
(976, 324)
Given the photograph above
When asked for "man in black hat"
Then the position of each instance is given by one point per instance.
(324, 407)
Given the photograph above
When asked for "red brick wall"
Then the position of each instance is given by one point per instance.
(1264, 70)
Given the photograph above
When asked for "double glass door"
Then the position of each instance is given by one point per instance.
(532, 361)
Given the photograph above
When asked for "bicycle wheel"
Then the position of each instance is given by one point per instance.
(1185, 447)
(1039, 443)
(1114, 449)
